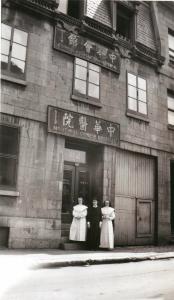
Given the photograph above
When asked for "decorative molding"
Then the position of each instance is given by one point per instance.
(94, 30)
(44, 8)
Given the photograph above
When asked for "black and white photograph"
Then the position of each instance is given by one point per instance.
(87, 150)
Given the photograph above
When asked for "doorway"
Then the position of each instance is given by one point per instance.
(83, 176)
(75, 183)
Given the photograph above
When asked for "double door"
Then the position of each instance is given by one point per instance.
(75, 184)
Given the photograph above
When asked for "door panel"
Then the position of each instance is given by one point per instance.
(144, 218)
(68, 188)
(75, 183)
(83, 184)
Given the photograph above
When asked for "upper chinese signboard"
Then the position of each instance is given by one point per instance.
(82, 126)
(78, 46)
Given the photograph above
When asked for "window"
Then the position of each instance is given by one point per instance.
(73, 8)
(171, 45)
(124, 23)
(13, 51)
(86, 79)
(8, 156)
(170, 100)
(137, 94)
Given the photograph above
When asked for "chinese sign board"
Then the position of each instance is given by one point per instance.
(82, 126)
(78, 46)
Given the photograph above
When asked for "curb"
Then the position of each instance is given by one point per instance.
(89, 262)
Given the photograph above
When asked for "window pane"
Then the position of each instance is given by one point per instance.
(5, 47)
(4, 62)
(94, 67)
(5, 31)
(142, 108)
(171, 117)
(81, 72)
(132, 91)
(80, 86)
(93, 77)
(132, 79)
(17, 66)
(81, 62)
(141, 83)
(171, 53)
(4, 58)
(132, 104)
(18, 51)
(93, 91)
(20, 37)
(171, 41)
(170, 102)
(8, 171)
(9, 140)
(142, 95)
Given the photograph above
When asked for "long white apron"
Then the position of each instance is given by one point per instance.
(78, 229)
(107, 234)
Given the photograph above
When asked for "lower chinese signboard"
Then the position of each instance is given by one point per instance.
(82, 126)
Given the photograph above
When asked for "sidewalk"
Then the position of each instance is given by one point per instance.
(52, 258)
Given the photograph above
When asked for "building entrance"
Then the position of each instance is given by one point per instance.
(82, 177)
(75, 184)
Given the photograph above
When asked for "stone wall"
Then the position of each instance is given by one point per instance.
(34, 217)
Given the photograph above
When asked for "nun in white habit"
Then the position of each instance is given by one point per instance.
(78, 229)
(107, 233)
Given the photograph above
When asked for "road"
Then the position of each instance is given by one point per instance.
(130, 281)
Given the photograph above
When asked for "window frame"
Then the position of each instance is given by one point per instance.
(132, 15)
(171, 57)
(133, 112)
(171, 94)
(12, 156)
(81, 97)
(8, 72)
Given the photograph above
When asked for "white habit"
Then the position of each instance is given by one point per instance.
(107, 234)
(78, 227)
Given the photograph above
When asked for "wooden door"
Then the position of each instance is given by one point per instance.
(75, 183)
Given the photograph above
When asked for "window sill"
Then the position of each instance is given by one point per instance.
(90, 101)
(137, 116)
(9, 193)
(171, 127)
(14, 80)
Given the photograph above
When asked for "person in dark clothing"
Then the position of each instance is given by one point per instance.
(94, 223)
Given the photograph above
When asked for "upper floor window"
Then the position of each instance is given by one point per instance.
(171, 45)
(86, 79)
(170, 100)
(124, 21)
(13, 51)
(73, 8)
(137, 94)
(9, 137)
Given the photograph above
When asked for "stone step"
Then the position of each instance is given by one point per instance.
(73, 246)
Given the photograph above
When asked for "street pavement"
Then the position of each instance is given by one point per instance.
(146, 280)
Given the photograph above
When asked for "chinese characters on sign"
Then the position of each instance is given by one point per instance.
(83, 48)
(78, 125)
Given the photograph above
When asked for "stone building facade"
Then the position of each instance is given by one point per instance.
(87, 108)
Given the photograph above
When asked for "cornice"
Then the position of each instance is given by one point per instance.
(45, 8)
(91, 28)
